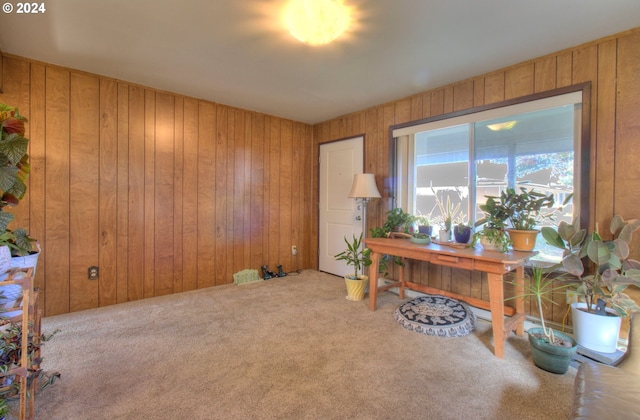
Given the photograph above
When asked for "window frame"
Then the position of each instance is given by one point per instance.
(584, 201)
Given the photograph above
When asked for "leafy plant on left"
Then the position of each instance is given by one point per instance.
(354, 256)
(14, 171)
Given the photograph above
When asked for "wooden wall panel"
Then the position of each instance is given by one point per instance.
(122, 212)
(108, 192)
(178, 177)
(57, 254)
(164, 193)
(220, 200)
(149, 269)
(136, 215)
(37, 191)
(190, 188)
(206, 232)
(84, 175)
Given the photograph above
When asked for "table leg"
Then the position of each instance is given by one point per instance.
(496, 302)
(401, 278)
(519, 300)
(373, 280)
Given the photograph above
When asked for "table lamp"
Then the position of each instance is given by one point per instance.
(364, 189)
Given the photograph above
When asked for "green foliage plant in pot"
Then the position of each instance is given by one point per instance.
(14, 171)
(398, 221)
(462, 232)
(424, 225)
(359, 259)
(550, 350)
(449, 213)
(524, 211)
(493, 236)
(604, 270)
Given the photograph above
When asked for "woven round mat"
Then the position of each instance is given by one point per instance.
(436, 315)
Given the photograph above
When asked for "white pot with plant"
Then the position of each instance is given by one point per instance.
(359, 258)
(14, 172)
(608, 272)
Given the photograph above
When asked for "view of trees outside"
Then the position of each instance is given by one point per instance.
(540, 156)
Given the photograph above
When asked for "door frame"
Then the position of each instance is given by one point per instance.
(317, 206)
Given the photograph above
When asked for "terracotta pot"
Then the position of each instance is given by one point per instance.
(523, 240)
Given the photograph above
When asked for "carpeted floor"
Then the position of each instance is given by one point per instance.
(287, 348)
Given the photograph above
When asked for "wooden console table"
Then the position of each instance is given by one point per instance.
(495, 264)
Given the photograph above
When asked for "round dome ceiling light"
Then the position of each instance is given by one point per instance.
(317, 22)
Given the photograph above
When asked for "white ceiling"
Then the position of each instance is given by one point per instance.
(237, 52)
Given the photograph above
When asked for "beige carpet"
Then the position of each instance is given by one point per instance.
(287, 348)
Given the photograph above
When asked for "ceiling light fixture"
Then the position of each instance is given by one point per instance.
(317, 22)
(508, 125)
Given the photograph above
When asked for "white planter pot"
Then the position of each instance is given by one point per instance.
(595, 332)
(5, 259)
(444, 235)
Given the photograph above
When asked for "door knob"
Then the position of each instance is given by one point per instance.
(358, 217)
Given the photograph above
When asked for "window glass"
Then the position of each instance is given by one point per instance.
(461, 163)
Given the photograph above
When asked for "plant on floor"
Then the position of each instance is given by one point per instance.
(551, 350)
(540, 284)
(355, 256)
(14, 171)
(603, 267)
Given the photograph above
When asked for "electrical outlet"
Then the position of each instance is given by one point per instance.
(294, 250)
(572, 296)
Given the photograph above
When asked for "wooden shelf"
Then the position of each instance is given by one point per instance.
(28, 315)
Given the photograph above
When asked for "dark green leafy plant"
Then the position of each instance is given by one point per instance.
(354, 256)
(397, 221)
(603, 267)
(14, 171)
(524, 209)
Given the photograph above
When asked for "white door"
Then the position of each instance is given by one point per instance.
(340, 216)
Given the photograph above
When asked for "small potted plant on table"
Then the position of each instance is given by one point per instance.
(359, 259)
(524, 211)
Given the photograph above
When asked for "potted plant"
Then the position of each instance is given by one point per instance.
(550, 350)
(14, 171)
(15, 245)
(424, 226)
(493, 236)
(604, 270)
(448, 212)
(10, 357)
(359, 259)
(524, 211)
(462, 232)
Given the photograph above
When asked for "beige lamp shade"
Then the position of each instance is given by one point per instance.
(364, 186)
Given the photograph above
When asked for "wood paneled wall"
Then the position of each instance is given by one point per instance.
(163, 193)
(612, 65)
